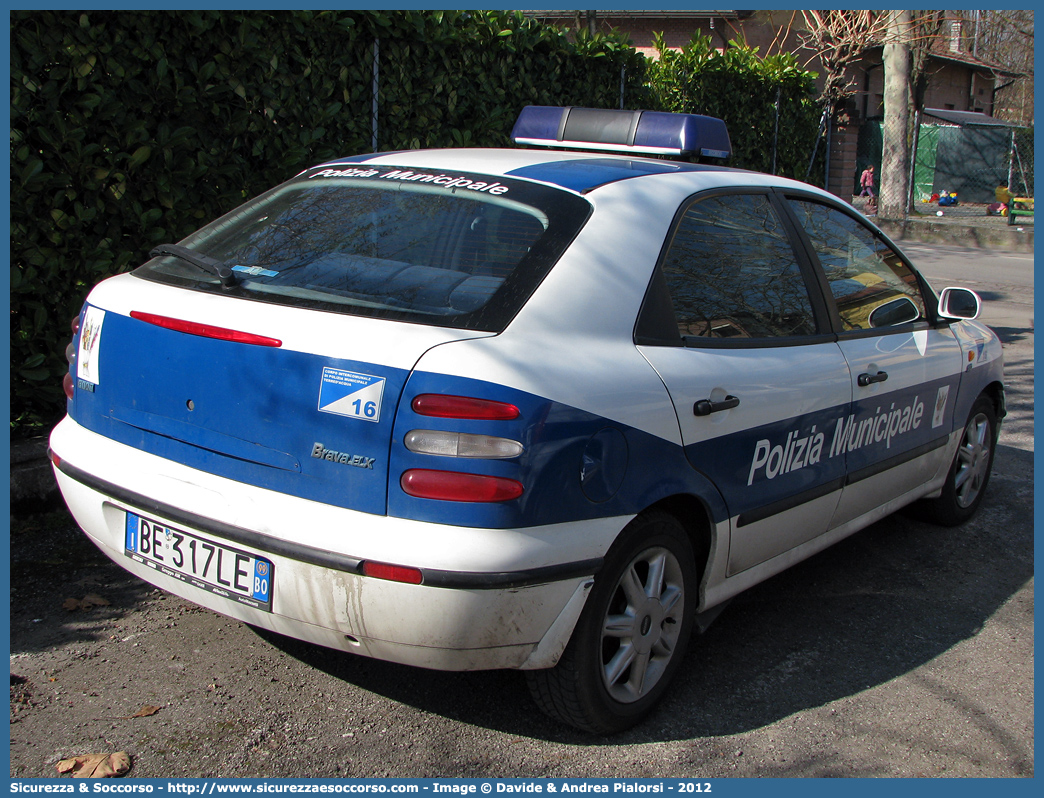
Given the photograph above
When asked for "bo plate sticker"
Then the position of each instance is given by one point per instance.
(349, 393)
(90, 341)
(939, 415)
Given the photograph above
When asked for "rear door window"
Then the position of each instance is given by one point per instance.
(455, 249)
(732, 273)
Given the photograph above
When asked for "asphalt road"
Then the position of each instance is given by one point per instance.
(905, 650)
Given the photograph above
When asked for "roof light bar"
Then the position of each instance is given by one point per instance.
(640, 132)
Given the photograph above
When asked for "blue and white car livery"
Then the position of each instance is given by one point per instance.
(532, 409)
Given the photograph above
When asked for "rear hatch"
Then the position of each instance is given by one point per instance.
(272, 346)
(309, 424)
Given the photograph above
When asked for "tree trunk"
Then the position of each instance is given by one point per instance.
(895, 151)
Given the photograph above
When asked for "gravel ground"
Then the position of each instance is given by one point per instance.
(905, 650)
(902, 651)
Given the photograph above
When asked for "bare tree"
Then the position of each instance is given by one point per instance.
(898, 102)
(925, 27)
(1005, 38)
(586, 19)
(838, 38)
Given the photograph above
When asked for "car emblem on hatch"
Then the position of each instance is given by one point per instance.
(320, 452)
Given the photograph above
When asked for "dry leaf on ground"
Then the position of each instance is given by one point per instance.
(88, 601)
(144, 712)
(96, 766)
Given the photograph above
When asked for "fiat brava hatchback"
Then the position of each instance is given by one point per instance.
(542, 409)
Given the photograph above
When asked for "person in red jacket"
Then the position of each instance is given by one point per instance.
(866, 183)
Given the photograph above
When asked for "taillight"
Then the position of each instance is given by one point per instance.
(68, 385)
(453, 486)
(393, 573)
(443, 406)
(460, 444)
(205, 330)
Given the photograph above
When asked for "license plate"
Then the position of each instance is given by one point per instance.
(215, 566)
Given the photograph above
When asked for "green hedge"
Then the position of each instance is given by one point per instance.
(742, 88)
(133, 128)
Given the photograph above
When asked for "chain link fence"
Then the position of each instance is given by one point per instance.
(961, 170)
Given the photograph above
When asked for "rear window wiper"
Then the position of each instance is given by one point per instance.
(207, 264)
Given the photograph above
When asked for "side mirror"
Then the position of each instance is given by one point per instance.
(959, 303)
(898, 311)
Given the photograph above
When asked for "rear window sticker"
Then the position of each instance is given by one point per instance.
(351, 394)
(255, 271)
(90, 341)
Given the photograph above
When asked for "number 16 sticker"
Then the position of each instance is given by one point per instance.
(349, 393)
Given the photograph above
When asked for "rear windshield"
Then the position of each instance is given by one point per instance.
(450, 249)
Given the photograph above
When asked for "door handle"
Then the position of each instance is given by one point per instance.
(705, 407)
(865, 379)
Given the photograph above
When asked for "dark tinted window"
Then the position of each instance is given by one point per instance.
(869, 281)
(731, 272)
(445, 249)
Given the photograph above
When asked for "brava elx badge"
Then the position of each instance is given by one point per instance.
(349, 393)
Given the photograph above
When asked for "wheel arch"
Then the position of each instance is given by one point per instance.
(995, 393)
(695, 517)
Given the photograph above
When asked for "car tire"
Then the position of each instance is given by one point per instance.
(970, 470)
(631, 636)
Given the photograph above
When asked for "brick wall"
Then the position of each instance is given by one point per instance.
(758, 31)
(676, 32)
(843, 161)
(959, 88)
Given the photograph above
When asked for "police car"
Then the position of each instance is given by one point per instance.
(544, 408)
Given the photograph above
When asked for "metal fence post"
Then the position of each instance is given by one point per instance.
(373, 113)
(1022, 171)
(815, 147)
(829, 145)
(1011, 160)
(913, 160)
(775, 132)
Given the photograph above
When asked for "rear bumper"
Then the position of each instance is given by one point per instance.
(489, 598)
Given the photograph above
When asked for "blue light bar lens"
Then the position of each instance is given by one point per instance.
(538, 122)
(646, 132)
